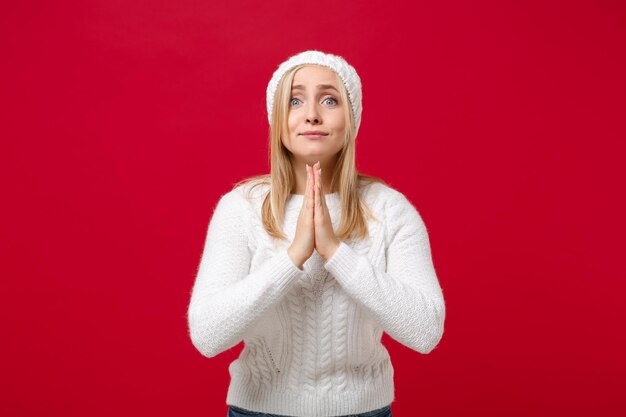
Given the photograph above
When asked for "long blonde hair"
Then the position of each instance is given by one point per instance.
(345, 179)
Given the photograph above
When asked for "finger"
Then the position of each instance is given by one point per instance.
(317, 186)
(309, 187)
(318, 182)
(322, 192)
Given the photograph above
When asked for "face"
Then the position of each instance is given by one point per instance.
(315, 106)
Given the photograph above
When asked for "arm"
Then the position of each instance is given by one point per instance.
(406, 299)
(227, 299)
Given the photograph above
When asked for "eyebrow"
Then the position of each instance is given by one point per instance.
(319, 87)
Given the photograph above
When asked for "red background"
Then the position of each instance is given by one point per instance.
(123, 123)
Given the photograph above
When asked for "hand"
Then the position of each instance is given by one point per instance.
(326, 243)
(314, 229)
(303, 243)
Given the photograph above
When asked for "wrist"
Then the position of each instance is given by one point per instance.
(295, 259)
(333, 250)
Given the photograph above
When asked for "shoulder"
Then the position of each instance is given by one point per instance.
(384, 197)
(396, 208)
(244, 193)
(232, 212)
(377, 190)
(253, 190)
(233, 203)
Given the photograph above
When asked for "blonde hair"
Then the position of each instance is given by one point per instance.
(345, 179)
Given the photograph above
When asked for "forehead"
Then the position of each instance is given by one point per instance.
(315, 74)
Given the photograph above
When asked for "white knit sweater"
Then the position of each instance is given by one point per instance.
(313, 336)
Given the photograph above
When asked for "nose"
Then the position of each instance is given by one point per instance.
(312, 114)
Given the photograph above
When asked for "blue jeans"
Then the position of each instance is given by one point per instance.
(234, 411)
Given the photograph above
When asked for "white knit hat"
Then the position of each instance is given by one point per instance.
(346, 73)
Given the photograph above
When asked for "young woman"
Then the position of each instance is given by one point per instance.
(310, 264)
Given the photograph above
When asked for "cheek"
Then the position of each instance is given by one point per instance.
(339, 120)
(286, 139)
(292, 123)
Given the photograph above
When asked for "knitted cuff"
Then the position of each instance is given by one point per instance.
(343, 263)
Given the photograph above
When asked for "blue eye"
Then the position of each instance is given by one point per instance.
(291, 102)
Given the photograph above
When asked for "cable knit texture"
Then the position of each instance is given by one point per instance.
(312, 337)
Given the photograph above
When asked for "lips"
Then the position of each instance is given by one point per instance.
(314, 133)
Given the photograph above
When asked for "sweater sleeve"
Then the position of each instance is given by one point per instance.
(405, 299)
(226, 298)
